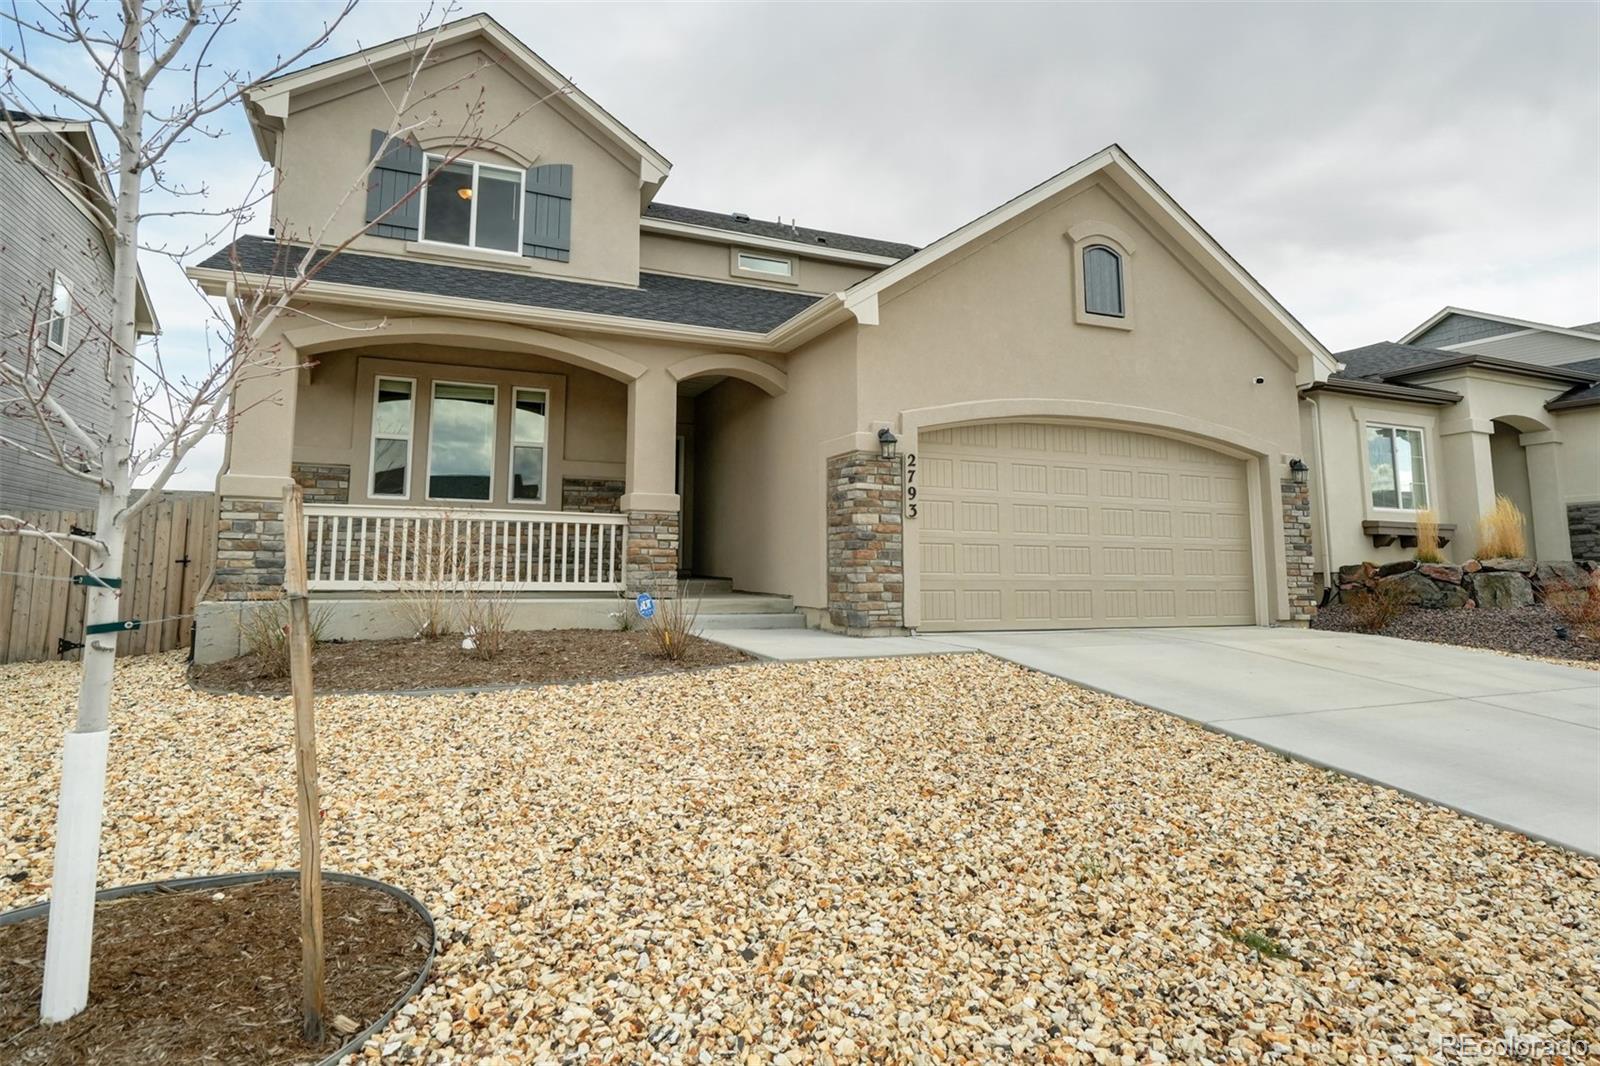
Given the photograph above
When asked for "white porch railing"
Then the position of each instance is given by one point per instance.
(391, 548)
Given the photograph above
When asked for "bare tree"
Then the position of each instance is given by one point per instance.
(158, 417)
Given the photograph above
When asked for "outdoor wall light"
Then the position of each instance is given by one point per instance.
(886, 443)
(1298, 470)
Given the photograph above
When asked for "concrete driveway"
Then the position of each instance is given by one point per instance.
(1512, 741)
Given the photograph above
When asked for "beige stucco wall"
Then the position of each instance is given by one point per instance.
(1509, 461)
(709, 259)
(326, 142)
(1580, 453)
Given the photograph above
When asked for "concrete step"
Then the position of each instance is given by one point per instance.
(712, 623)
(743, 603)
(705, 586)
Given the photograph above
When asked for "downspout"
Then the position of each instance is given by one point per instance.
(1322, 493)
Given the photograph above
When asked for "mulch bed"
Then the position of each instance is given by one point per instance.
(530, 658)
(189, 978)
(1522, 630)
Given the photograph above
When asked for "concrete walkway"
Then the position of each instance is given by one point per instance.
(1511, 741)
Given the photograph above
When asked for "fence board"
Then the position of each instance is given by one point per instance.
(39, 605)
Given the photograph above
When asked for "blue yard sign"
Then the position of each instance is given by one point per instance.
(647, 605)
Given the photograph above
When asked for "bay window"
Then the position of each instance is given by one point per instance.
(477, 205)
(461, 431)
(529, 419)
(1397, 468)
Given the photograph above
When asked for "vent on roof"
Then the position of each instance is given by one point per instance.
(740, 216)
(822, 240)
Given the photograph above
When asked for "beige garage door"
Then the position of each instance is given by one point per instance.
(1032, 525)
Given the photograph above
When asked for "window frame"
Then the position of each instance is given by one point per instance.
(739, 270)
(1091, 233)
(373, 437)
(1122, 286)
(1367, 427)
(544, 449)
(494, 443)
(472, 221)
(50, 340)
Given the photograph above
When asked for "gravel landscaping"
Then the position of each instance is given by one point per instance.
(946, 859)
(1527, 631)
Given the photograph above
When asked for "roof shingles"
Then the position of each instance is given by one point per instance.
(755, 227)
(659, 297)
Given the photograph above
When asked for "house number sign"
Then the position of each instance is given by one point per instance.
(911, 485)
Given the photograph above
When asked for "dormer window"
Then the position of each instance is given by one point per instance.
(472, 204)
(1102, 281)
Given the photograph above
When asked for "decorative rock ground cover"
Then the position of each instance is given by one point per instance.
(915, 860)
(1493, 584)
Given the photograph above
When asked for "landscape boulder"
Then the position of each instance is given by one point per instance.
(1441, 572)
(1509, 566)
(1501, 590)
(1402, 567)
(1557, 577)
(1416, 589)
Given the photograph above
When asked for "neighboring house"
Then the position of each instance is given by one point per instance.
(1096, 407)
(1463, 408)
(55, 298)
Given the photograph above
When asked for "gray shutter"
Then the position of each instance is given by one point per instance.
(399, 172)
(1102, 281)
(547, 212)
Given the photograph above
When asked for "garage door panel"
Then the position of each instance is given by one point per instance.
(1131, 529)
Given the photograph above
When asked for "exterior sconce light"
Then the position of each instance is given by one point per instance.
(886, 443)
(1298, 470)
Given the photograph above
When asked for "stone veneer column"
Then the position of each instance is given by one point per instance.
(652, 553)
(1583, 529)
(1297, 550)
(866, 544)
(322, 482)
(250, 552)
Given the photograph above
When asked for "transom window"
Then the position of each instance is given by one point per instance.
(1102, 282)
(477, 205)
(529, 422)
(461, 424)
(391, 437)
(777, 266)
(58, 327)
(1397, 467)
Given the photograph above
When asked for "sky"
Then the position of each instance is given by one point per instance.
(1368, 163)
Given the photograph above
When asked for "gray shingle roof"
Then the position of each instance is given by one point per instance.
(1583, 395)
(1588, 327)
(1376, 362)
(659, 297)
(779, 231)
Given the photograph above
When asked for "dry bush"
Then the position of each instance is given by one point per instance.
(429, 601)
(264, 631)
(1374, 607)
(672, 627)
(485, 621)
(1502, 533)
(1576, 605)
(1428, 537)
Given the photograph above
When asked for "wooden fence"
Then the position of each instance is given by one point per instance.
(170, 553)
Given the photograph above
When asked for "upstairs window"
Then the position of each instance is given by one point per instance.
(472, 204)
(58, 326)
(1397, 468)
(776, 266)
(1102, 282)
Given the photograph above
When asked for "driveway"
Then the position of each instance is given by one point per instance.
(1512, 741)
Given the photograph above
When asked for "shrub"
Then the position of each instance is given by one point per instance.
(672, 627)
(624, 614)
(1576, 605)
(1428, 537)
(485, 620)
(264, 631)
(1374, 607)
(1502, 533)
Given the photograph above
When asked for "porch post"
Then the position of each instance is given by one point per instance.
(1469, 478)
(651, 502)
(1551, 538)
(256, 468)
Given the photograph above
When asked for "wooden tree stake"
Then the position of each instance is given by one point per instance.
(312, 1006)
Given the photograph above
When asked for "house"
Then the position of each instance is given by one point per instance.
(1464, 407)
(539, 369)
(55, 273)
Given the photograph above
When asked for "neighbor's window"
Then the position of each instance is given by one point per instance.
(528, 428)
(461, 442)
(391, 437)
(472, 204)
(1102, 281)
(1398, 473)
(59, 324)
(777, 266)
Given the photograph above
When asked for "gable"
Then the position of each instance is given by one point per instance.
(1458, 328)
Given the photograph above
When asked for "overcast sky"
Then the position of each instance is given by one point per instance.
(1368, 163)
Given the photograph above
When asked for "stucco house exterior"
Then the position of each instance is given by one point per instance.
(1464, 407)
(55, 274)
(1097, 416)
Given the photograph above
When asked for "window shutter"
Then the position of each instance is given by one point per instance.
(398, 173)
(547, 213)
(1102, 281)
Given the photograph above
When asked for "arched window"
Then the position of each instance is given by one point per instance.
(1102, 281)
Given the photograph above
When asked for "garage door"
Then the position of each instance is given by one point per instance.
(1035, 525)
